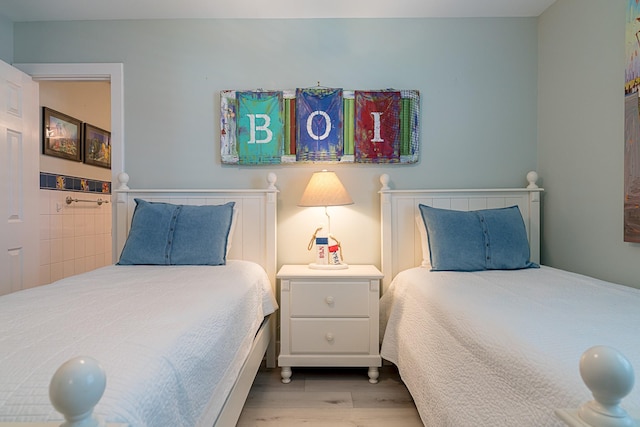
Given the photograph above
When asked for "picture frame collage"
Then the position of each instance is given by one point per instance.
(69, 138)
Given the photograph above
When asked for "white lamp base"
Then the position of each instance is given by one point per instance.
(315, 266)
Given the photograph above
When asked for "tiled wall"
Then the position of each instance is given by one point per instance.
(74, 238)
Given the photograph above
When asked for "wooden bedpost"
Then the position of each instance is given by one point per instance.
(385, 238)
(120, 218)
(534, 217)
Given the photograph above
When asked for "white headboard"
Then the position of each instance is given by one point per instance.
(254, 237)
(400, 241)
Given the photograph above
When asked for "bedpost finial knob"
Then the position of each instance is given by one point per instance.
(123, 179)
(384, 180)
(271, 179)
(75, 388)
(610, 377)
(532, 177)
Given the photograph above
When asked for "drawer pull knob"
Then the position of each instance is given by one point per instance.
(329, 337)
(329, 300)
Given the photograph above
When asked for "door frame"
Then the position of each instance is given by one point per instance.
(112, 72)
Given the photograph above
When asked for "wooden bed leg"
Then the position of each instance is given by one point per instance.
(373, 375)
(285, 372)
(75, 389)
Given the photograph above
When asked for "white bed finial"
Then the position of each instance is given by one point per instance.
(271, 179)
(532, 177)
(75, 389)
(609, 375)
(384, 180)
(123, 179)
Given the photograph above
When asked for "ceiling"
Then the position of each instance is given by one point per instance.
(62, 10)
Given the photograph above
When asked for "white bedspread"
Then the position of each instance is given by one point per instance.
(170, 338)
(502, 348)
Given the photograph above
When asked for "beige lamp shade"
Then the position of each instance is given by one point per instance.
(325, 189)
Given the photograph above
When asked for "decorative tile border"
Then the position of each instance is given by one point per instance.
(50, 181)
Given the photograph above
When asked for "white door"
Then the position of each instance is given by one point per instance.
(19, 180)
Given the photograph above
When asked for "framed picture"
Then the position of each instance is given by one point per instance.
(61, 135)
(97, 146)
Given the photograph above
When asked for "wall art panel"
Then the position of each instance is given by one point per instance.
(319, 125)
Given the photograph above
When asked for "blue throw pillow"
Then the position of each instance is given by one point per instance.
(488, 239)
(167, 234)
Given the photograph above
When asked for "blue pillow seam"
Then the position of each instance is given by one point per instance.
(428, 238)
(226, 240)
(486, 239)
(170, 234)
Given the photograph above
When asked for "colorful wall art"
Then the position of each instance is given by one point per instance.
(318, 124)
(632, 126)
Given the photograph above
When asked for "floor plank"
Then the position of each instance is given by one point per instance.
(336, 397)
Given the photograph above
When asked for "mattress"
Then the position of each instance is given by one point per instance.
(502, 348)
(171, 339)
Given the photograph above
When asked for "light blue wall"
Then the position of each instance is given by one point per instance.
(6, 39)
(581, 139)
(477, 79)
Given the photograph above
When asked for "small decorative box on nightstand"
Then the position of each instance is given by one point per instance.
(329, 318)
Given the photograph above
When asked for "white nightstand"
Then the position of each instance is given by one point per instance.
(329, 318)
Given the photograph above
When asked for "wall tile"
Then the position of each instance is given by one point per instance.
(56, 251)
(49, 181)
(90, 263)
(79, 265)
(45, 252)
(68, 226)
(45, 227)
(76, 237)
(44, 203)
(90, 244)
(45, 274)
(79, 247)
(55, 226)
(90, 224)
(101, 259)
(68, 249)
(69, 268)
(57, 271)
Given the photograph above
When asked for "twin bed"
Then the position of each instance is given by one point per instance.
(495, 345)
(181, 343)
(478, 346)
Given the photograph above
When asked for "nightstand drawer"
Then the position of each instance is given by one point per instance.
(328, 336)
(312, 299)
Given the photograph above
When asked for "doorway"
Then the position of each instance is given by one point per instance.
(112, 72)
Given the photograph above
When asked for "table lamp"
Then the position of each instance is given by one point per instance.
(325, 189)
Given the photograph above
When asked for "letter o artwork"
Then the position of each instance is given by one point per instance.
(327, 129)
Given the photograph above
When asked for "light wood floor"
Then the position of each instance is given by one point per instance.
(332, 397)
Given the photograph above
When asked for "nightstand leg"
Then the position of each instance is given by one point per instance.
(286, 374)
(373, 375)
